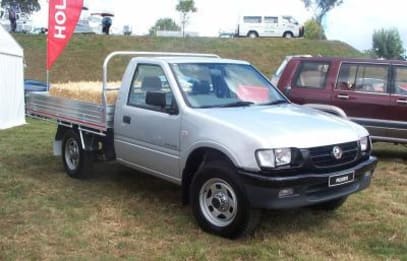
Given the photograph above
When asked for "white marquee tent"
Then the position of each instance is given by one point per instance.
(11, 81)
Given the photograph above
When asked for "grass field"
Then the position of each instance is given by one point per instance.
(83, 58)
(119, 213)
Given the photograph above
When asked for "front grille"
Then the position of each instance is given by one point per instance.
(322, 157)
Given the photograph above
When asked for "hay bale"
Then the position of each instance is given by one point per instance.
(85, 91)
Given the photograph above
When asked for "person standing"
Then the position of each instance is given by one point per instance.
(12, 16)
(106, 24)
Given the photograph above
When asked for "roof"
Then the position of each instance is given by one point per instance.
(352, 60)
(197, 59)
(8, 45)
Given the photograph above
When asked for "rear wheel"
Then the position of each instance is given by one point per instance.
(77, 162)
(252, 35)
(330, 205)
(219, 203)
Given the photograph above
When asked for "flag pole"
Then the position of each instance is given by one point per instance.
(47, 80)
(47, 47)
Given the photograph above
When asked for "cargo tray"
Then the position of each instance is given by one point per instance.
(93, 116)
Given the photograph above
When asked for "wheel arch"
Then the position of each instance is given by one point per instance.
(252, 31)
(61, 130)
(196, 158)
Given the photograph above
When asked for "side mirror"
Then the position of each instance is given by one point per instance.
(156, 99)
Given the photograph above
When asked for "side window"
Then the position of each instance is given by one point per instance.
(363, 77)
(312, 75)
(149, 78)
(252, 19)
(347, 77)
(400, 80)
(271, 19)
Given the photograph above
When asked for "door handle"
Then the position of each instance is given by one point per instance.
(401, 101)
(343, 96)
(127, 119)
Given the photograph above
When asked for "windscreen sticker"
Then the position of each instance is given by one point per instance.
(252, 93)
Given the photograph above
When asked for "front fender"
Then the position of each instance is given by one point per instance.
(329, 109)
(210, 145)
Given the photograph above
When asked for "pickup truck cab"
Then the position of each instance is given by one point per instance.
(371, 92)
(221, 131)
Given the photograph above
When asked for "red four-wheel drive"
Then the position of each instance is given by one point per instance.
(372, 92)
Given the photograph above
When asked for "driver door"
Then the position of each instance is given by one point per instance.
(146, 136)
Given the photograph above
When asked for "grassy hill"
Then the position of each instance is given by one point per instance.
(83, 58)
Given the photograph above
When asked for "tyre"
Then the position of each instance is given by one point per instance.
(219, 202)
(77, 162)
(252, 35)
(288, 35)
(330, 205)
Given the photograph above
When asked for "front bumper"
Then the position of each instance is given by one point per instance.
(308, 188)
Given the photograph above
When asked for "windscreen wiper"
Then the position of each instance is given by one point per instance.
(275, 102)
(237, 104)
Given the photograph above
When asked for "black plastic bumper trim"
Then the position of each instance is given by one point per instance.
(309, 188)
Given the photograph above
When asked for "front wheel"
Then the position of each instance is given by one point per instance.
(219, 203)
(288, 35)
(77, 162)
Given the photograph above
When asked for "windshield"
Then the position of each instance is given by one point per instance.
(290, 19)
(206, 85)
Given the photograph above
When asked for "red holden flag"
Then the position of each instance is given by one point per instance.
(63, 17)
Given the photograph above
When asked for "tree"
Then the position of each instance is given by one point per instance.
(25, 6)
(370, 53)
(388, 44)
(185, 7)
(166, 24)
(321, 7)
(313, 30)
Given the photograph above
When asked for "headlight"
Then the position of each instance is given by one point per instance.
(364, 143)
(266, 158)
(274, 157)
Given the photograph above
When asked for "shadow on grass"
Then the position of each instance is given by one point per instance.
(274, 222)
(390, 151)
(132, 181)
(111, 180)
(282, 223)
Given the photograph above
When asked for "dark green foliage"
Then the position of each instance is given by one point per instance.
(166, 24)
(370, 53)
(185, 7)
(321, 7)
(388, 44)
(313, 30)
(26, 6)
